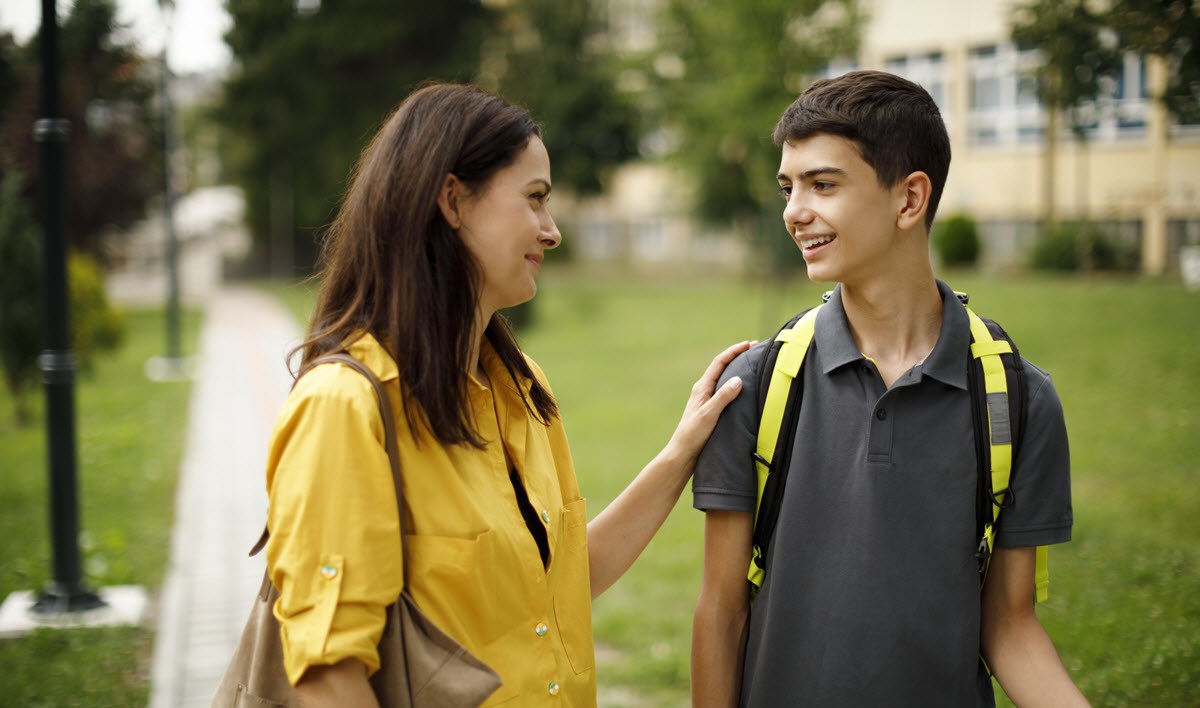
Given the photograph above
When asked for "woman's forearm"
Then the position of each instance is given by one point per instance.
(342, 684)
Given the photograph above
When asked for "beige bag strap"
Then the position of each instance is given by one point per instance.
(389, 436)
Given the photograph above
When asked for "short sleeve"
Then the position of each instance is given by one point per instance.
(725, 477)
(1041, 512)
(334, 550)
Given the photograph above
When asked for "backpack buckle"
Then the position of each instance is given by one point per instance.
(982, 554)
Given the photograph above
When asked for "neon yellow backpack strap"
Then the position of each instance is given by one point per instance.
(795, 341)
(987, 350)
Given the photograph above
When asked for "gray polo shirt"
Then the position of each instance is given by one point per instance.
(872, 596)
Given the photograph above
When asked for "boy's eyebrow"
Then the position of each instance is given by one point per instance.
(809, 174)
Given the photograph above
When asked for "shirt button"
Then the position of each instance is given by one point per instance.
(881, 414)
(328, 571)
(553, 688)
(545, 516)
(541, 629)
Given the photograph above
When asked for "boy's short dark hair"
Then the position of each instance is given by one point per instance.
(894, 123)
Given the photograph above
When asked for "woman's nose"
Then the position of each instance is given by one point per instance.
(550, 235)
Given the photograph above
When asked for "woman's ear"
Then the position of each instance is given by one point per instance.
(915, 190)
(449, 199)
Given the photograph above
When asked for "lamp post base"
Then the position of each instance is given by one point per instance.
(57, 598)
(24, 611)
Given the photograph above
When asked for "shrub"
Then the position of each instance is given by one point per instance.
(956, 241)
(1055, 250)
(20, 293)
(1058, 250)
(95, 324)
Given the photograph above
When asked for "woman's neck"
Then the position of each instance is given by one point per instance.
(474, 367)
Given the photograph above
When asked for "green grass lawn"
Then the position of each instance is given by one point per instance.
(129, 438)
(1124, 611)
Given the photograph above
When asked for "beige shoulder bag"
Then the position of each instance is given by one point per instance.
(420, 666)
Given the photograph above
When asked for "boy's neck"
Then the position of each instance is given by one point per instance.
(895, 321)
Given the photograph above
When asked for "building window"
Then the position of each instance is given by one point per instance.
(1004, 106)
(1130, 94)
(927, 69)
(600, 241)
(648, 240)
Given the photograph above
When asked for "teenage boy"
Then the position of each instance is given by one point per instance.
(872, 593)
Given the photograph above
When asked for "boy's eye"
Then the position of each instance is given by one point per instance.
(785, 192)
(822, 186)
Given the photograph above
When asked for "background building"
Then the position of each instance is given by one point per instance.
(1136, 176)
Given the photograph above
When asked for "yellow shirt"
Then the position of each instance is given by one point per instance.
(474, 566)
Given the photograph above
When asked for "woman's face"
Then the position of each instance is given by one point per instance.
(508, 228)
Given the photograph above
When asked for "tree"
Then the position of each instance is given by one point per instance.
(1169, 30)
(554, 58)
(725, 71)
(309, 89)
(1074, 61)
(20, 293)
(113, 157)
(96, 325)
(1167, 34)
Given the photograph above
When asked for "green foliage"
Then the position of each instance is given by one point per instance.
(95, 324)
(723, 75)
(1060, 249)
(20, 294)
(113, 158)
(1169, 29)
(309, 90)
(956, 241)
(1074, 58)
(550, 56)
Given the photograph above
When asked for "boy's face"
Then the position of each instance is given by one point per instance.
(840, 216)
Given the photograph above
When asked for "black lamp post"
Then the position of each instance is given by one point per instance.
(167, 7)
(67, 591)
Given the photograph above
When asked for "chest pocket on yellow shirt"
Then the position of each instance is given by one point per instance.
(451, 580)
(573, 592)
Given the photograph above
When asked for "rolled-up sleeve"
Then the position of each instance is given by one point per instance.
(334, 550)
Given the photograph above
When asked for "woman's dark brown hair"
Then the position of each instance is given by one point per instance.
(393, 266)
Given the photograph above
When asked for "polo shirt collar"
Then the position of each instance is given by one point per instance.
(947, 361)
(944, 363)
(831, 333)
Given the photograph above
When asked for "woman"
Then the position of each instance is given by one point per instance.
(444, 224)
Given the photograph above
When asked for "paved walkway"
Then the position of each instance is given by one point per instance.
(241, 382)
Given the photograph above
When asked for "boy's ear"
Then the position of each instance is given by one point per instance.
(450, 198)
(915, 189)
